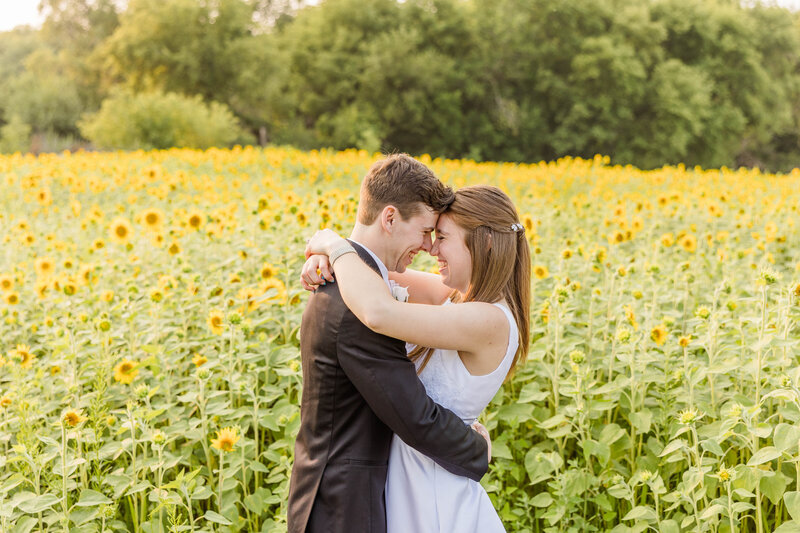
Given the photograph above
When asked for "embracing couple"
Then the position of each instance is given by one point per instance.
(392, 389)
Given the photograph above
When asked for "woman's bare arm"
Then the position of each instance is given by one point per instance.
(423, 287)
(469, 327)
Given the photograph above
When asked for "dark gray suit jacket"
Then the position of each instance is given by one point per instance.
(359, 387)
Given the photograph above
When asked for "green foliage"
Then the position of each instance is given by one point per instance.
(160, 120)
(76, 30)
(44, 96)
(15, 46)
(179, 46)
(15, 136)
(705, 82)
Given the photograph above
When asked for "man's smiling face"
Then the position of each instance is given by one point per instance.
(410, 236)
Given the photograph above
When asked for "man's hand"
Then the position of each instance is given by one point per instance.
(483, 432)
(316, 271)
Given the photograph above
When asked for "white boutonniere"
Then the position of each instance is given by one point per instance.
(399, 293)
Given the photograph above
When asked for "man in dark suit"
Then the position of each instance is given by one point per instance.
(359, 387)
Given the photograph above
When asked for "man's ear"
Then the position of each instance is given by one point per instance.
(389, 215)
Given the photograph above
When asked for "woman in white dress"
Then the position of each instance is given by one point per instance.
(475, 314)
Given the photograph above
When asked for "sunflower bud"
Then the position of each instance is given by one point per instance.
(577, 357)
(158, 438)
(688, 416)
(623, 334)
(767, 277)
(724, 474)
(702, 312)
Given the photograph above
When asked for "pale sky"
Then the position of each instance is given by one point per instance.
(17, 12)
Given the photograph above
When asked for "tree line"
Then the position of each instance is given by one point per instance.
(702, 82)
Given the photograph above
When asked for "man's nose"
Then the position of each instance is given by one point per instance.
(434, 248)
(426, 243)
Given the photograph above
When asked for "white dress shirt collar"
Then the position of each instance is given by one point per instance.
(384, 271)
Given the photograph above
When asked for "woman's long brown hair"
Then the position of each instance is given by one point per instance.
(501, 261)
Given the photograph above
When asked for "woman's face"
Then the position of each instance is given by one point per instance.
(455, 261)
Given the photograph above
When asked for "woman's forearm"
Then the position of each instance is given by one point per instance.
(364, 291)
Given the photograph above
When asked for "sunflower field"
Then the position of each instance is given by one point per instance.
(149, 357)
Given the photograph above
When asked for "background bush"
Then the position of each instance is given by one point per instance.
(159, 121)
(15, 136)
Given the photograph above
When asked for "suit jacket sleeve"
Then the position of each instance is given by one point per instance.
(387, 379)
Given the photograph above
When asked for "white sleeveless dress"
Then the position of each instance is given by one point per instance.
(423, 497)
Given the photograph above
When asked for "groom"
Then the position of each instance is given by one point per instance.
(359, 387)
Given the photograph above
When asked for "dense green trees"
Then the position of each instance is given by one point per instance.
(665, 81)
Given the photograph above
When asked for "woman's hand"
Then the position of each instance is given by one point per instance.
(316, 271)
(324, 241)
(483, 432)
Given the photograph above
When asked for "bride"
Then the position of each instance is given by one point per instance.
(466, 330)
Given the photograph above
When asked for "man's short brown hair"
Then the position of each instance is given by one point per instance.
(401, 181)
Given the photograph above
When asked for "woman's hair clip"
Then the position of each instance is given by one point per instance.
(516, 226)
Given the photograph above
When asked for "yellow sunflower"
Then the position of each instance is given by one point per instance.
(44, 266)
(69, 286)
(24, 355)
(659, 334)
(152, 218)
(689, 243)
(73, 417)
(195, 219)
(12, 298)
(85, 274)
(41, 289)
(6, 282)
(125, 371)
(199, 360)
(275, 290)
(527, 221)
(215, 321)
(250, 296)
(120, 230)
(226, 439)
(540, 271)
(616, 237)
(630, 316)
(44, 196)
